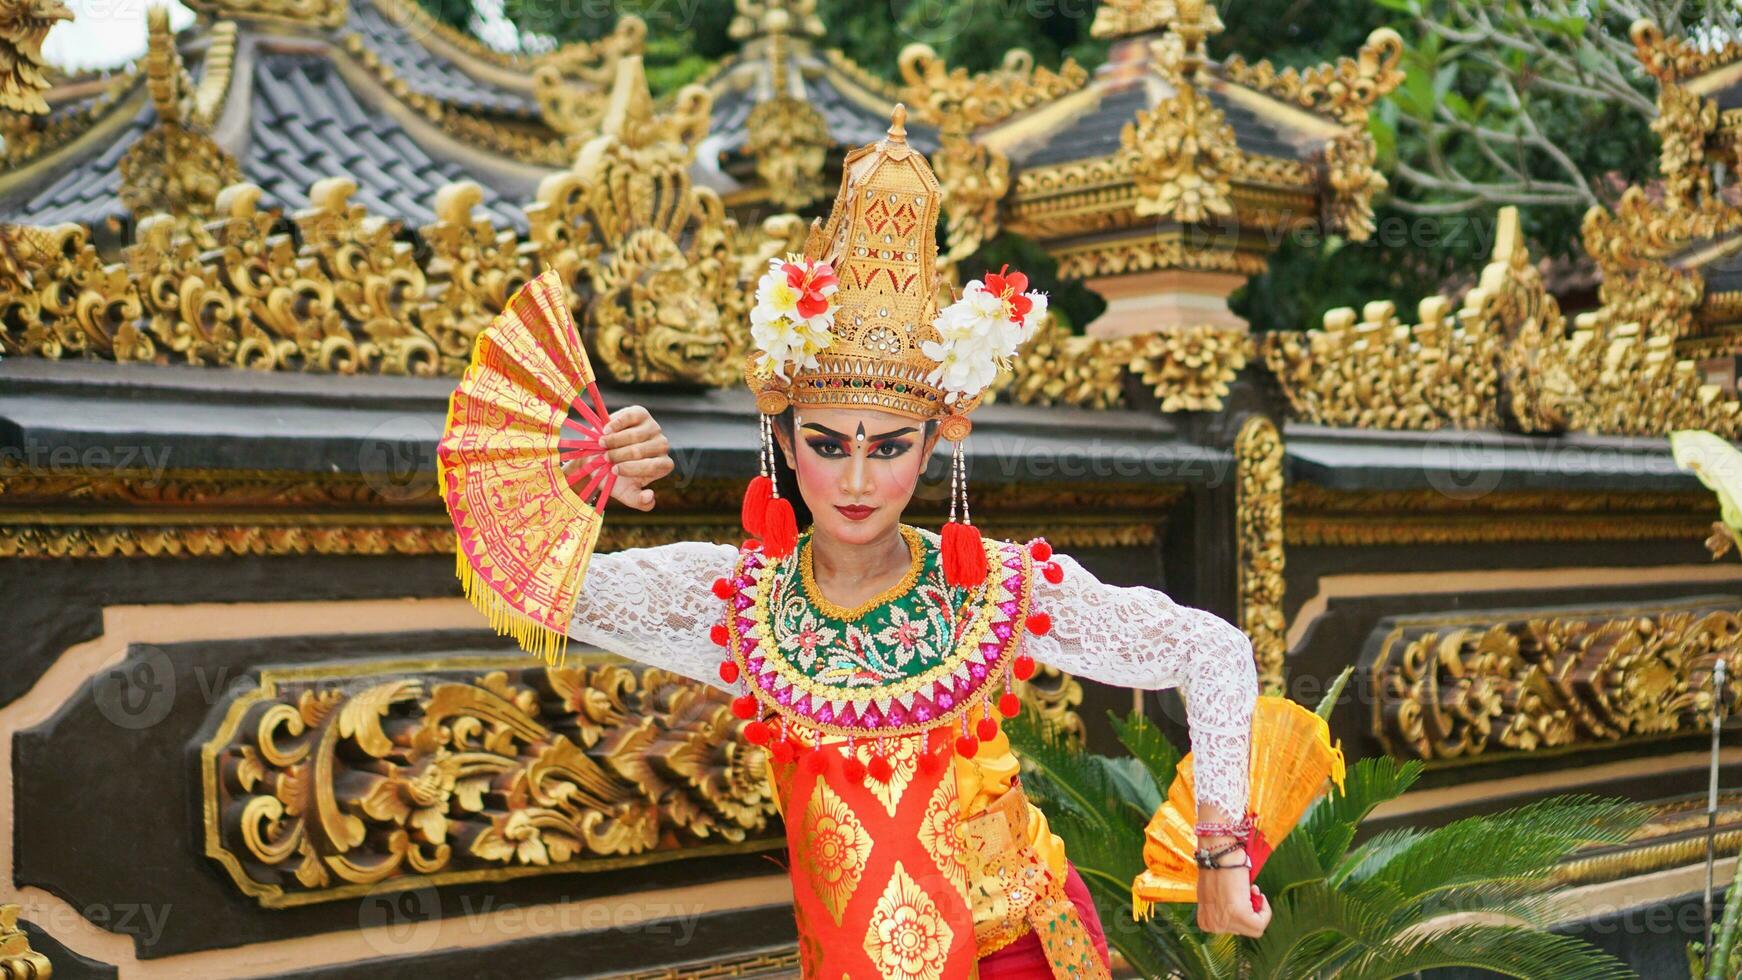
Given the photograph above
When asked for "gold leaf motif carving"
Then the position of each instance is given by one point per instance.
(1258, 459)
(1464, 687)
(320, 781)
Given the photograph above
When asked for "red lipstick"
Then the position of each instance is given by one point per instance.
(857, 512)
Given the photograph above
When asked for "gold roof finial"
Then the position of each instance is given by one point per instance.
(898, 123)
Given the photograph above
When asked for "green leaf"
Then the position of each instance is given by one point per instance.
(1328, 703)
(1144, 741)
(1311, 926)
(1507, 950)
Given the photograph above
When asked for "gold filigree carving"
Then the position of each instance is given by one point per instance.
(23, 26)
(58, 298)
(653, 258)
(789, 140)
(1124, 18)
(1320, 517)
(175, 168)
(308, 13)
(26, 136)
(1058, 368)
(1671, 60)
(756, 18)
(1354, 181)
(1462, 686)
(1258, 519)
(17, 960)
(1187, 370)
(1344, 90)
(1181, 152)
(325, 783)
(474, 269)
(1190, 369)
(975, 177)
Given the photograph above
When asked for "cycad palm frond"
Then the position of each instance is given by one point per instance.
(1511, 952)
(1370, 782)
(1491, 856)
(1311, 927)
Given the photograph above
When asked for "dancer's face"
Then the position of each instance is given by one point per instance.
(857, 468)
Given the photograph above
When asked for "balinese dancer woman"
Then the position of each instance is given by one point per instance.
(874, 660)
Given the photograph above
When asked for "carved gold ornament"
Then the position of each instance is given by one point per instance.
(975, 177)
(789, 141)
(1327, 518)
(17, 960)
(1124, 18)
(1460, 687)
(1181, 154)
(1258, 518)
(661, 273)
(1187, 370)
(323, 783)
(652, 256)
(23, 26)
(1344, 90)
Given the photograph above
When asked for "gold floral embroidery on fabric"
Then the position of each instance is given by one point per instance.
(903, 756)
(835, 849)
(908, 938)
(938, 833)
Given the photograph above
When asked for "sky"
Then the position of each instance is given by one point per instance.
(105, 33)
(110, 33)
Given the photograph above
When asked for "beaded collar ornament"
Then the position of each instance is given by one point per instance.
(801, 704)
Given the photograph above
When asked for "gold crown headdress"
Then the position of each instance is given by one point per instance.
(854, 321)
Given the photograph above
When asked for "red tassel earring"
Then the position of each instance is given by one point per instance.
(761, 489)
(964, 554)
(778, 523)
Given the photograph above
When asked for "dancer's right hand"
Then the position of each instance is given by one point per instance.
(638, 450)
(1225, 898)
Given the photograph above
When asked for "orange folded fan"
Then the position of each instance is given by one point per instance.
(1292, 758)
(527, 404)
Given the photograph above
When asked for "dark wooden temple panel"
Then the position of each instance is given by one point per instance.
(109, 809)
(752, 943)
(54, 604)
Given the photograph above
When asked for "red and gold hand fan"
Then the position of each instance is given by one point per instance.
(1292, 758)
(524, 529)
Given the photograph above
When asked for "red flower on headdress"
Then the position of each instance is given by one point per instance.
(1011, 287)
(815, 281)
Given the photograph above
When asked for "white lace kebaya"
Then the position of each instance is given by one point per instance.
(654, 605)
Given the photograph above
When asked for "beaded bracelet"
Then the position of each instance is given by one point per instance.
(1208, 859)
(1239, 831)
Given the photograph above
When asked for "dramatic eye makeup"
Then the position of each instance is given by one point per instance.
(830, 444)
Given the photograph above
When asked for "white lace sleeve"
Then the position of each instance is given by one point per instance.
(656, 605)
(1134, 636)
